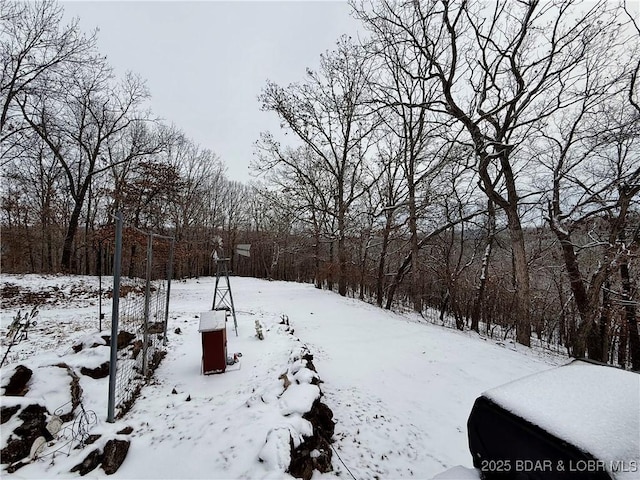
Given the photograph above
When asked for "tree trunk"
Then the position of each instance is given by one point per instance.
(342, 266)
(444, 304)
(132, 261)
(630, 315)
(67, 246)
(415, 291)
(597, 338)
(74, 222)
(397, 280)
(331, 266)
(521, 274)
(363, 269)
(484, 270)
(316, 260)
(342, 253)
(380, 280)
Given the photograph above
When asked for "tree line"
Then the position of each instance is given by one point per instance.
(478, 163)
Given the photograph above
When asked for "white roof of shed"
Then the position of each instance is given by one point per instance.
(213, 320)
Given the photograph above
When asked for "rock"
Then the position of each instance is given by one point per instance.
(124, 339)
(16, 449)
(188, 399)
(7, 412)
(177, 331)
(17, 386)
(88, 441)
(115, 451)
(89, 463)
(321, 457)
(321, 417)
(308, 357)
(99, 372)
(156, 327)
(33, 426)
(314, 453)
(33, 423)
(125, 431)
(174, 392)
(157, 357)
(136, 349)
(92, 439)
(76, 393)
(301, 465)
(12, 468)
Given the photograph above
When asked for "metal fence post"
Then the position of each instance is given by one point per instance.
(169, 276)
(147, 300)
(117, 261)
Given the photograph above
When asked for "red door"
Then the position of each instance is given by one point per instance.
(214, 351)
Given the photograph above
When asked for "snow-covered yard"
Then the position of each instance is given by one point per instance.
(400, 390)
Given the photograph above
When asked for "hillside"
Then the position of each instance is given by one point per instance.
(400, 390)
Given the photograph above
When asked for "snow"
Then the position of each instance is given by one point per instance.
(458, 473)
(400, 390)
(298, 399)
(212, 320)
(594, 407)
(45, 388)
(276, 452)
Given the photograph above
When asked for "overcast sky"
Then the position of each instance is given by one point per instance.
(206, 62)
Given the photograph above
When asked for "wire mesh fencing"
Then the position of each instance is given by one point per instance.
(139, 314)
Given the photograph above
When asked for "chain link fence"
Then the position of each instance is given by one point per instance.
(140, 312)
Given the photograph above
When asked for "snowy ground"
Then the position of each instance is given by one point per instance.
(401, 391)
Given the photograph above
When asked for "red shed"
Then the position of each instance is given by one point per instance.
(213, 327)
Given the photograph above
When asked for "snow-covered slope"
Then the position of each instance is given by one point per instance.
(400, 390)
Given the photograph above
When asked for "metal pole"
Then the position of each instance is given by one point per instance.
(215, 290)
(169, 276)
(100, 286)
(233, 308)
(117, 261)
(147, 299)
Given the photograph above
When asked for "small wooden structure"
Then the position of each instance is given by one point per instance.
(213, 328)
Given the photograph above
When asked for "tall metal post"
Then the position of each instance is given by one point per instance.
(100, 286)
(117, 262)
(147, 300)
(169, 277)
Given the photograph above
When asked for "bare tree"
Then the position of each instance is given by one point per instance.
(634, 83)
(596, 178)
(405, 93)
(329, 113)
(33, 43)
(197, 167)
(481, 288)
(499, 70)
(303, 191)
(391, 192)
(76, 115)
